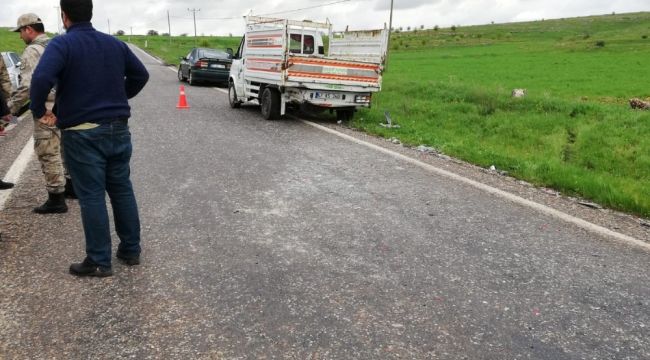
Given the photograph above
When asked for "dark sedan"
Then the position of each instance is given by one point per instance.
(205, 65)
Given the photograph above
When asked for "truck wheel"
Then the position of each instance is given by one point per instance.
(270, 104)
(344, 114)
(232, 96)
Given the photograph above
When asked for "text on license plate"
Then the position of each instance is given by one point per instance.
(327, 96)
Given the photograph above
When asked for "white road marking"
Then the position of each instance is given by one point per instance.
(16, 170)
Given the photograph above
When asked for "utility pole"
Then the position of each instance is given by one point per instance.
(390, 30)
(109, 26)
(58, 20)
(169, 26)
(194, 13)
(131, 34)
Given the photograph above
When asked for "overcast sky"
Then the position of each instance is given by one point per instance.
(222, 17)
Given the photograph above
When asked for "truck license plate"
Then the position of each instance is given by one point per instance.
(332, 96)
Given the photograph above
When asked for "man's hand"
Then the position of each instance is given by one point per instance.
(48, 119)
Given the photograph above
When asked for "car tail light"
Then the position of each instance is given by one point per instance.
(203, 64)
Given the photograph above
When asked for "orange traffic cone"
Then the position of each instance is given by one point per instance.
(182, 101)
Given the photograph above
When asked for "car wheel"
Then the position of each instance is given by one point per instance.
(232, 96)
(180, 74)
(190, 79)
(270, 104)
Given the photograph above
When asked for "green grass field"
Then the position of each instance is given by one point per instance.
(450, 89)
(573, 131)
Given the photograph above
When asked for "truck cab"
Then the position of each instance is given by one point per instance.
(282, 62)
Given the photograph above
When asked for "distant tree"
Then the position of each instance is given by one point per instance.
(183, 34)
(230, 34)
(165, 34)
(152, 32)
(408, 28)
(492, 22)
(401, 28)
(435, 28)
(453, 28)
(119, 32)
(421, 27)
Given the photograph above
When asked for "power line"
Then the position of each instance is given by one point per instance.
(305, 8)
(266, 14)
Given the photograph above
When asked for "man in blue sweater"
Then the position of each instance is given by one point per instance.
(95, 75)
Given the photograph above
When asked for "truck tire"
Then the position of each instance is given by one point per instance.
(232, 96)
(270, 104)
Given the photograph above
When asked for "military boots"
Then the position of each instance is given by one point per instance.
(55, 204)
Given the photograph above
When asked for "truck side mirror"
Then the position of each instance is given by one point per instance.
(321, 50)
(230, 52)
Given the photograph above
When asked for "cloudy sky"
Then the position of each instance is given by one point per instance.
(223, 17)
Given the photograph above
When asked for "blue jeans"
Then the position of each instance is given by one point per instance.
(98, 161)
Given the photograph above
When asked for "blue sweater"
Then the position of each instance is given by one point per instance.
(95, 74)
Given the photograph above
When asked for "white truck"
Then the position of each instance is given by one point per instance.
(282, 62)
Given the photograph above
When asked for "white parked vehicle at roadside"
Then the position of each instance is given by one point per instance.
(12, 62)
(282, 62)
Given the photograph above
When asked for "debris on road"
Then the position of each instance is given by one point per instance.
(590, 204)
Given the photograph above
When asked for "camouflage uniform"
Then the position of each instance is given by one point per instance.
(47, 140)
(5, 87)
(5, 82)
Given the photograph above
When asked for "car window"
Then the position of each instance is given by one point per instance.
(214, 54)
(189, 56)
(308, 44)
(295, 43)
(15, 57)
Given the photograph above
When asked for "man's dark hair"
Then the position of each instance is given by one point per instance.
(39, 28)
(77, 10)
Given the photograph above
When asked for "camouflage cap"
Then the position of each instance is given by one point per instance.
(26, 19)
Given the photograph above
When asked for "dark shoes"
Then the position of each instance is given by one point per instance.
(5, 185)
(69, 190)
(88, 268)
(128, 260)
(55, 204)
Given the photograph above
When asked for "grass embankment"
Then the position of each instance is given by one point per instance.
(10, 41)
(171, 51)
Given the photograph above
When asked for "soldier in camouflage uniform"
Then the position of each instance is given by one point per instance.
(5, 82)
(5, 89)
(47, 139)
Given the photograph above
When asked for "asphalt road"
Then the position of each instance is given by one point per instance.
(277, 240)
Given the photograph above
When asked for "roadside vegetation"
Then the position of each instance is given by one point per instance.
(171, 51)
(450, 89)
(574, 131)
